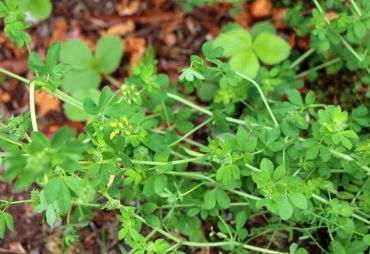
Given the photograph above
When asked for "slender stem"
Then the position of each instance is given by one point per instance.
(302, 58)
(354, 215)
(58, 93)
(112, 80)
(205, 244)
(32, 106)
(16, 202)
(190, 104)
(355, 6)
(13, 75)
(190, 132)
(319, 67)
(68, 99)
(262, 96)
(346, 44)
(157, 163)
(10, 141)
(192, 175)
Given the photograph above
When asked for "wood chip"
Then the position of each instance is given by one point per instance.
(278, 16)
(121, 28)
(261, 8)
(46, 103)
(126, 8)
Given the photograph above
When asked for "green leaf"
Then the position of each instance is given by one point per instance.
(360, 29)
(228, 175)
(40, 9)
(261, 27)
(81, 80)
(50, 215)
(36, 64)
(270, 48)
(77, 54)
(52, 56)
(299, 200)
(108, 54)
(245, 62)
(64, 199)
(234, 41)
(189, 74)
(160, 182)
(295, 97)
(76, 114)
(52, 190)
(267, 165)
(210, 199)
(223, 199)
(211, 52)
(366, 239)
(2, 226)
(8, 221)
(285, 209)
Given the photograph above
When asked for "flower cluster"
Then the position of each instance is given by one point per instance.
(130, 94)
(122, 126)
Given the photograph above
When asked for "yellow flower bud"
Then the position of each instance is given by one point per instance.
(113, 124)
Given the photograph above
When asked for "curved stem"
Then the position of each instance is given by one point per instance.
(262, 96)
(32, 106)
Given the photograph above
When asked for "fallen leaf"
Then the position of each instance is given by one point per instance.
(169, 39)
(304, 42)
(243, 18)
(278, 16)
(17, 247)
(46, 103)
(60, 28)
(121, 28)
(332, 15)
(126, 8)
(135, 46)
(261, 8)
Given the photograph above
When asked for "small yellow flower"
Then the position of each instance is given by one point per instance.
(127, 132)
(124, 119)
(113, 124)
(114, 133)
(120, 125)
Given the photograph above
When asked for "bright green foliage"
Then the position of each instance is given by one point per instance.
(197, 176)
(6, 221)
(50, 73)
(244, 54)
(14, 21)
(40, 9)
(88, 68)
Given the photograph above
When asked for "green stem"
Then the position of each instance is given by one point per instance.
(345, 43)
(190, 104)
(57, 93)
(112, 80)
(13, 75)
(205, 245)
(355, 6)
(157, 163)
(32, 106)
(190, 132)
(16, 202)
(10, 141)
(302, 58)
(319, 67)
(262, 96)
(192, 175)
